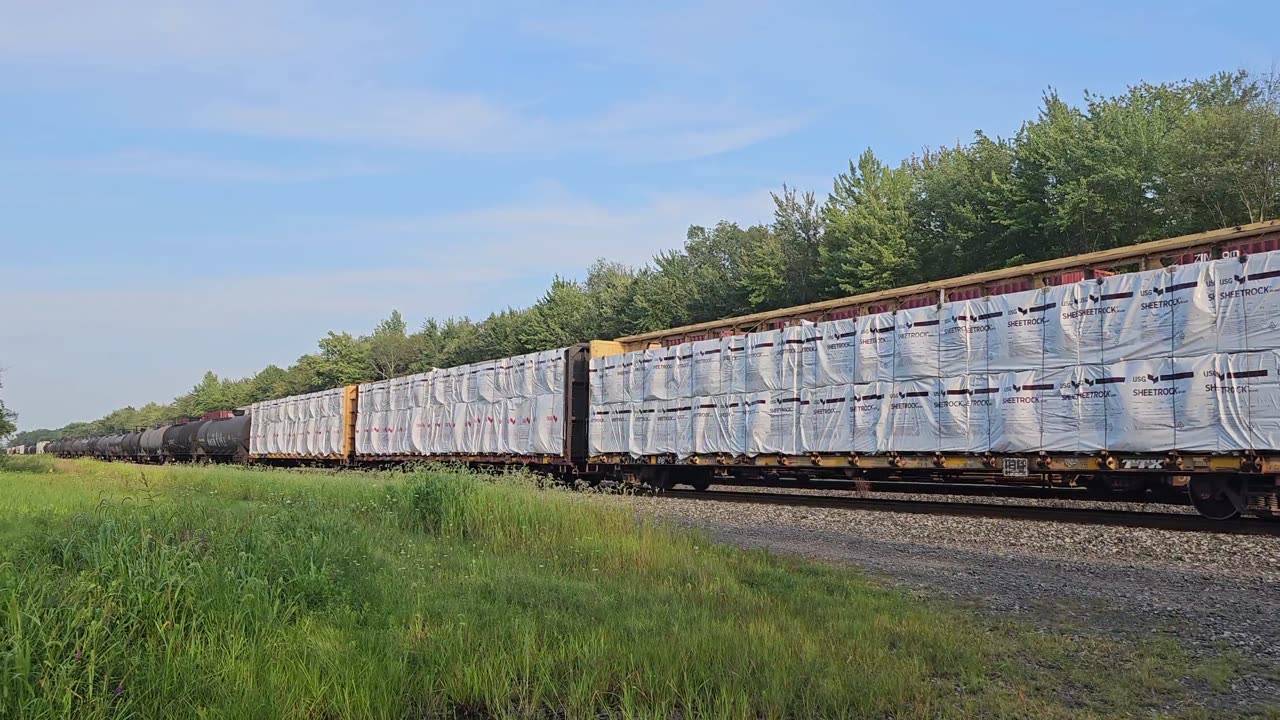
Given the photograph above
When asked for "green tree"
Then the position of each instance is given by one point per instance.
(1224, 159)
(207, 396)
(344, 360)
(955, 208)
(8, 418)
(611, 287)
(390, 350)
(798, 226)
(272, 382)
(865, 245)
(563, 316)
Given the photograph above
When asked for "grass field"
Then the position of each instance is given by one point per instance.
(130, 592)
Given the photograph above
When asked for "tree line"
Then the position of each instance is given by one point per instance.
(8, 418)
(1156, 161)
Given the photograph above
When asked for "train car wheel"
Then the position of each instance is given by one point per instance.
(658, 478)
(1217, 497)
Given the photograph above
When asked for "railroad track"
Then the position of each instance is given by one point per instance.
(1184, 522)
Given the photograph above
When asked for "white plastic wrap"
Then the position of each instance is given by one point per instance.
(763, 366)
(773, 423)
(643, 420)
(798, 356)
(1229, 402)
(706, 376)
(309, 425)
(1140, 417)
(1059, 369)
(548, 430)
(1032, 413)
(909, 424)
(490, 408)
(524, 372)
(916, 343)
(1195, 310)
(519, 413)
(962, 344)
(485, 377)
(1132, 322)
(671, 429)
(875, 348)
(661, 377)
(870, 404)
(1028, 332)
(733, 363)
(1253, 422)
(711, 426)
(1207, 403)
(610, 379)
(1090, 389)
(1248, 302)
(826, 420)
(835, 354)
(964, 406)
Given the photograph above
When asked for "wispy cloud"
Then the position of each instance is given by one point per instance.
(151, 336)
(222, 169)
(422, 119)
(277, 69)
(658, 129)
(156, 34)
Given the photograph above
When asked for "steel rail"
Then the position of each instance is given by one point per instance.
(1182, 522)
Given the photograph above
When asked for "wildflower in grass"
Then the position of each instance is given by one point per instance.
(119, 689)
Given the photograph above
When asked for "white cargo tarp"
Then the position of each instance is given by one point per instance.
(298, 426)
(714, 426)
(869, 406)
(1140, 416)
(511, 406)
(1228, 402)
(643, 417)
(916, 343)
(875, 348)
(908, 423)
(1027, 332)
(826, 420)
(962, 343)
(836, 354)
(1248, 302)
(659, 374)
(1032, 413)
(1076, 368)
(1206, 402)
(772, 423)
(798, 356)
(1089, 389)
(964, 407)
(519, 413)
(610, 378)
(706, 376)
(733, 363)
(762, 370)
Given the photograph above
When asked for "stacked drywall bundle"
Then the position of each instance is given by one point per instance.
(308, 425)
(513, 406)
(1182, 358)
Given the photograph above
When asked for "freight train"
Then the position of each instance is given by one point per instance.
(1152, 369)
(27, 449)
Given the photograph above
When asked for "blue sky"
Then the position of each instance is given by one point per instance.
(213, 184)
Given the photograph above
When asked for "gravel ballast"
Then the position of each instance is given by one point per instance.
(1210, 591)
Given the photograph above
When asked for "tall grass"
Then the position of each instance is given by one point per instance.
(183, 592)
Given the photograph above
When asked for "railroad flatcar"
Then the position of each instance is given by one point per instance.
(1152, 369)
